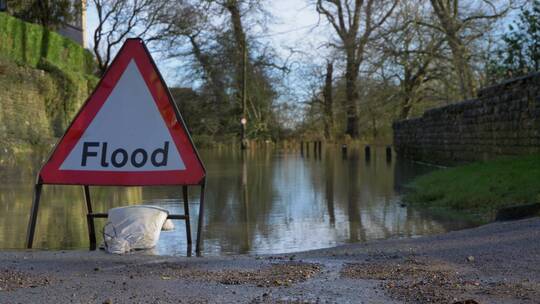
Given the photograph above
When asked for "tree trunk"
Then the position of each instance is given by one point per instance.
(328, 102)
(406, 106)
(241, 44)
(374, 126)
(407, 87)
(463, 69)
(215, 80)
(351, 76)
(447, 13)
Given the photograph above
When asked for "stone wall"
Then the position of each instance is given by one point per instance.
(503, 120)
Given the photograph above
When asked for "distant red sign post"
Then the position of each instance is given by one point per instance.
(128, 133)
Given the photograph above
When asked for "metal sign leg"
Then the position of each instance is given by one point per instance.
(186, 213)
(200, 222)
(33, 216)
(90, 218)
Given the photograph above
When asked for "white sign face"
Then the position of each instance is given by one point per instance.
(127, 134)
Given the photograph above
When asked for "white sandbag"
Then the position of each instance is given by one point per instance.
(133, 227)
(168, 226)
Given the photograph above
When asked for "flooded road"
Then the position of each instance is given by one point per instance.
(260, 201)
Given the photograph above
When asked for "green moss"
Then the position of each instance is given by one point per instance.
(37, 105)
(64, 94)
(44, 79)
(28, 43)
(479, 188)
(23, 117)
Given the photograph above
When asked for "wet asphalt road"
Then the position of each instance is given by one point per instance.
(495, 263)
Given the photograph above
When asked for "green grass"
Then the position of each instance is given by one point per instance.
(479, 188)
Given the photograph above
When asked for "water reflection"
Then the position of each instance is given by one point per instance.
(258, 201)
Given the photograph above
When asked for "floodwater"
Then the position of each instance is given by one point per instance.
(259, 201)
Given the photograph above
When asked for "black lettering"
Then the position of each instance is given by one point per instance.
(104, 162)
(134, 158)
(86, 153)
(164, 152)
(124, 160)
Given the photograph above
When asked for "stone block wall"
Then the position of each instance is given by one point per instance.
(503, 120)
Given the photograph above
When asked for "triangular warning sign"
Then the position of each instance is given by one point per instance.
(129, 132)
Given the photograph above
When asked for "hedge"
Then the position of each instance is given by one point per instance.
(44, 79)
(28, 43)
(64, 95)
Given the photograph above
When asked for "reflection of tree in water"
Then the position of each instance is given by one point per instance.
(243, 208)
(63, 212)
(419, 221)
(405, 171)
(245, 201)
(61, 220)
(377, 192)
(329, 160)
(240, 198)
(364, 192)
(356, 229)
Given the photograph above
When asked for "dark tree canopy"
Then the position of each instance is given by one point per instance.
(51, 14)
(520, 53)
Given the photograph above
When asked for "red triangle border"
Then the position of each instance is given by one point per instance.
(194, 172)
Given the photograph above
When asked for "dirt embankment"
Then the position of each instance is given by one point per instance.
(496, 263)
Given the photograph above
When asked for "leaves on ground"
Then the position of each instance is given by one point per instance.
(11, 280)
(273, 275)
(416, 281)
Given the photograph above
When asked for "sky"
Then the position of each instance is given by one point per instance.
(292, 26)
(295, 25)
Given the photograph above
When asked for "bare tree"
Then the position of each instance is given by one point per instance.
(233, 7)
(415, 53)
(463, 22)
(189, 25)
(328, 102)
(215, 37)
(355, 23)
(122, 19)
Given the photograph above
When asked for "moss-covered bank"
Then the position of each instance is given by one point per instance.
(30, 44)
(479, 189)
(44, 79)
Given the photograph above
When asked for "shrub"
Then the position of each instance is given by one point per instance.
(27, 43)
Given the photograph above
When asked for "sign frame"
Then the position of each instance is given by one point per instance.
(40, 182)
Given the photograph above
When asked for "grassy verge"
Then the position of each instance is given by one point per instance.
(480, 188)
